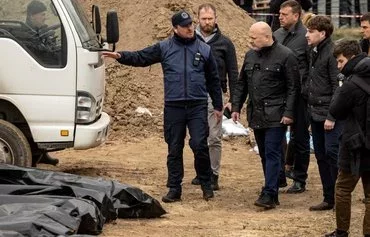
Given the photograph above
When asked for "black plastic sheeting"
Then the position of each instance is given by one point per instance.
(36, 202)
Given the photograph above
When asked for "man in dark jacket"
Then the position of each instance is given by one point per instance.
(292, 35)
(319, 88)
(350, 104)
(224, 52)
(365, 30)
(273, 20)
(269, 78)
(42, 39)
(190, 73)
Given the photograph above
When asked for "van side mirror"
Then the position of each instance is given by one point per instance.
(112, 28)
(96, 22)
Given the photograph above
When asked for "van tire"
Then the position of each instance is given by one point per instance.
(14, 147)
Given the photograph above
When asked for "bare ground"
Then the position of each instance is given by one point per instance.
(231, 213)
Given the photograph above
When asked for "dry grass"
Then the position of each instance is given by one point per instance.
(348, 33)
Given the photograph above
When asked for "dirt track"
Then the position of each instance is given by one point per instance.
(231, 213)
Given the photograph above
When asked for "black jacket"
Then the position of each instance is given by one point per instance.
(224, 52)
(364, 45)
(322, 81)
(350, 105)
(189, 69)
(269, 78)
(295, 39)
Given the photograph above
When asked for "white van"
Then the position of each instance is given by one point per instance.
(52, 78)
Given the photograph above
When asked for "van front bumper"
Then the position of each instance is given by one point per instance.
(92, 135)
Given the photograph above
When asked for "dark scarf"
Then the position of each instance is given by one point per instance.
(348, 69)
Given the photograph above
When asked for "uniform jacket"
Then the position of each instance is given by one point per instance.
(189, 69)
(223, 51)
(269, 79)
(350, 105)
(322, 81)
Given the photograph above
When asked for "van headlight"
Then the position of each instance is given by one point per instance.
(86, 107)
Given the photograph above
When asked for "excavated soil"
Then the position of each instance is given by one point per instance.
(143, 23)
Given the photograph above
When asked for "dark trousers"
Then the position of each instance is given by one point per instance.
(176, 119)
(345, 185)
(269, 142)
(326, 146)
(298, 151)
(285, 151)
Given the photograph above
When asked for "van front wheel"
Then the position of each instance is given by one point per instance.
(14, 147)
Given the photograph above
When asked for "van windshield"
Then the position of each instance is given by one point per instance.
(83, 27)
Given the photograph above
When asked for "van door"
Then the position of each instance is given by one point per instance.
(38, 67)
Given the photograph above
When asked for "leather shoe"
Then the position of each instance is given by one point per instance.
(322, 207)
(297, 187)
(207, 192)
(266, 201)
(195, 181)
(366, 200)
(282, 183)
(336, 233)
(275, 198)
(47, 159)
(214, 182)
(172, 196)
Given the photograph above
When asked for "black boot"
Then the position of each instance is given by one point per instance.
(282, 183)
(297, 187)
(207, 192)
(195, 181)
(214, 182)
(47, 159)
(266, 201)
(172, 196)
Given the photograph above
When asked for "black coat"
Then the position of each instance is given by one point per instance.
(270, 78)
(224, 52)
(322, 81)
(364, 45)
(295, 39)
(350, 104)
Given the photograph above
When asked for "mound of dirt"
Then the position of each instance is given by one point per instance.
(142, 23)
